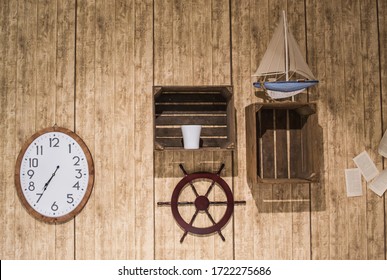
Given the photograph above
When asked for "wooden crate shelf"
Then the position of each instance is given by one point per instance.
(209, 106)
(282, 140)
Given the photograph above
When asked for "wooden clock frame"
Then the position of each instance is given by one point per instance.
(90, 184)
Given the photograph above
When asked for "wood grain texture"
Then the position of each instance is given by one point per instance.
(91, 65)
(164, 180)
(143, 147)
(85, 234)
(354, 116)
(382, 23)
(373, 125)
(8, 95)
(124, 195)
(65, 101)
(247, 36)
(26, 120)
(180, 33)
(316, 18)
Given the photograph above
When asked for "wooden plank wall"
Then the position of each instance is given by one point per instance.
(90, 66)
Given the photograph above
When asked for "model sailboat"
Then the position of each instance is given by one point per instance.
(283, 71)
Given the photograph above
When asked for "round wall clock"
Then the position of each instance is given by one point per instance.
(54, 175)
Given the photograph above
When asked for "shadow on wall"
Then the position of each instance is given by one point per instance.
(167, 163)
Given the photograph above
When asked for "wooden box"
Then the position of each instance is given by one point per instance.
(282, 143)
(209, 106)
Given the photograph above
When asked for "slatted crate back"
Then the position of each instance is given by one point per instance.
(209, 106)
(282, 142)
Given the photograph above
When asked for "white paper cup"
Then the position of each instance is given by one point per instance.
(191, 136)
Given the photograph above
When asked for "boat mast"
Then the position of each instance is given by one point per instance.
(286, 47)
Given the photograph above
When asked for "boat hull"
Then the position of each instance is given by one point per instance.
(286, 86)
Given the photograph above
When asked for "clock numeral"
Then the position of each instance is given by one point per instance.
(79, 175)
(33, 162)
(54, 206)
(77, 186)
(39, 150)
(77, 160)
(30, 173)
(54, 142)
(31, 186)
(70, 198)
(69, 148)
(40, 196)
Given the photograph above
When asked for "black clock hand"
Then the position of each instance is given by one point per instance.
(52, 176)
(46, 184)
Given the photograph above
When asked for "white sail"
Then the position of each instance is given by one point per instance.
(274, 59)
(297, 62)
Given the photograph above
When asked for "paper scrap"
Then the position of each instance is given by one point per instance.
(383, 145)
(353, 182)
(366, 165)
(379, 184)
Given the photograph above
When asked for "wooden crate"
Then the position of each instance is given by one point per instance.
(282, 143)
(210, 106)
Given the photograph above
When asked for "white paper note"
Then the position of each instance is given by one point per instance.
(366, 165)
(379, 184)
(353, 182)
(383, 145)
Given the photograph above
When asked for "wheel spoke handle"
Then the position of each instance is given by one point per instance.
(213, 222)
(191, 222)
(192, 203)
(191, 184)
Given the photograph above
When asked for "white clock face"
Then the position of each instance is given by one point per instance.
(54, 174)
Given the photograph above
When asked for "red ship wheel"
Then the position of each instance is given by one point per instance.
(202, 203)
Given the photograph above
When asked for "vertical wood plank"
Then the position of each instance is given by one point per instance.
(356, 207)
(85, 224)
(382, 24)
(104, 186)
(185, 250)
(163, 41)
(268, 154)
(26, 116)
(183, 75)
(165, 225)
(295, 162)
(204, 246)
(8, 88)
(225, 249)
(221, 75)
(65, 103)
(182, 43)
(164, 181)
(281, 143)
(123, 240)
(143, 129)
(336, 117)
(300, 200)
(45, 54)
(281, 194)
(300, 207)
(316, 18)
(201, 31)
(45, 101)
(240, 35)
(373, 126)
(247, 19)
(221, 45)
